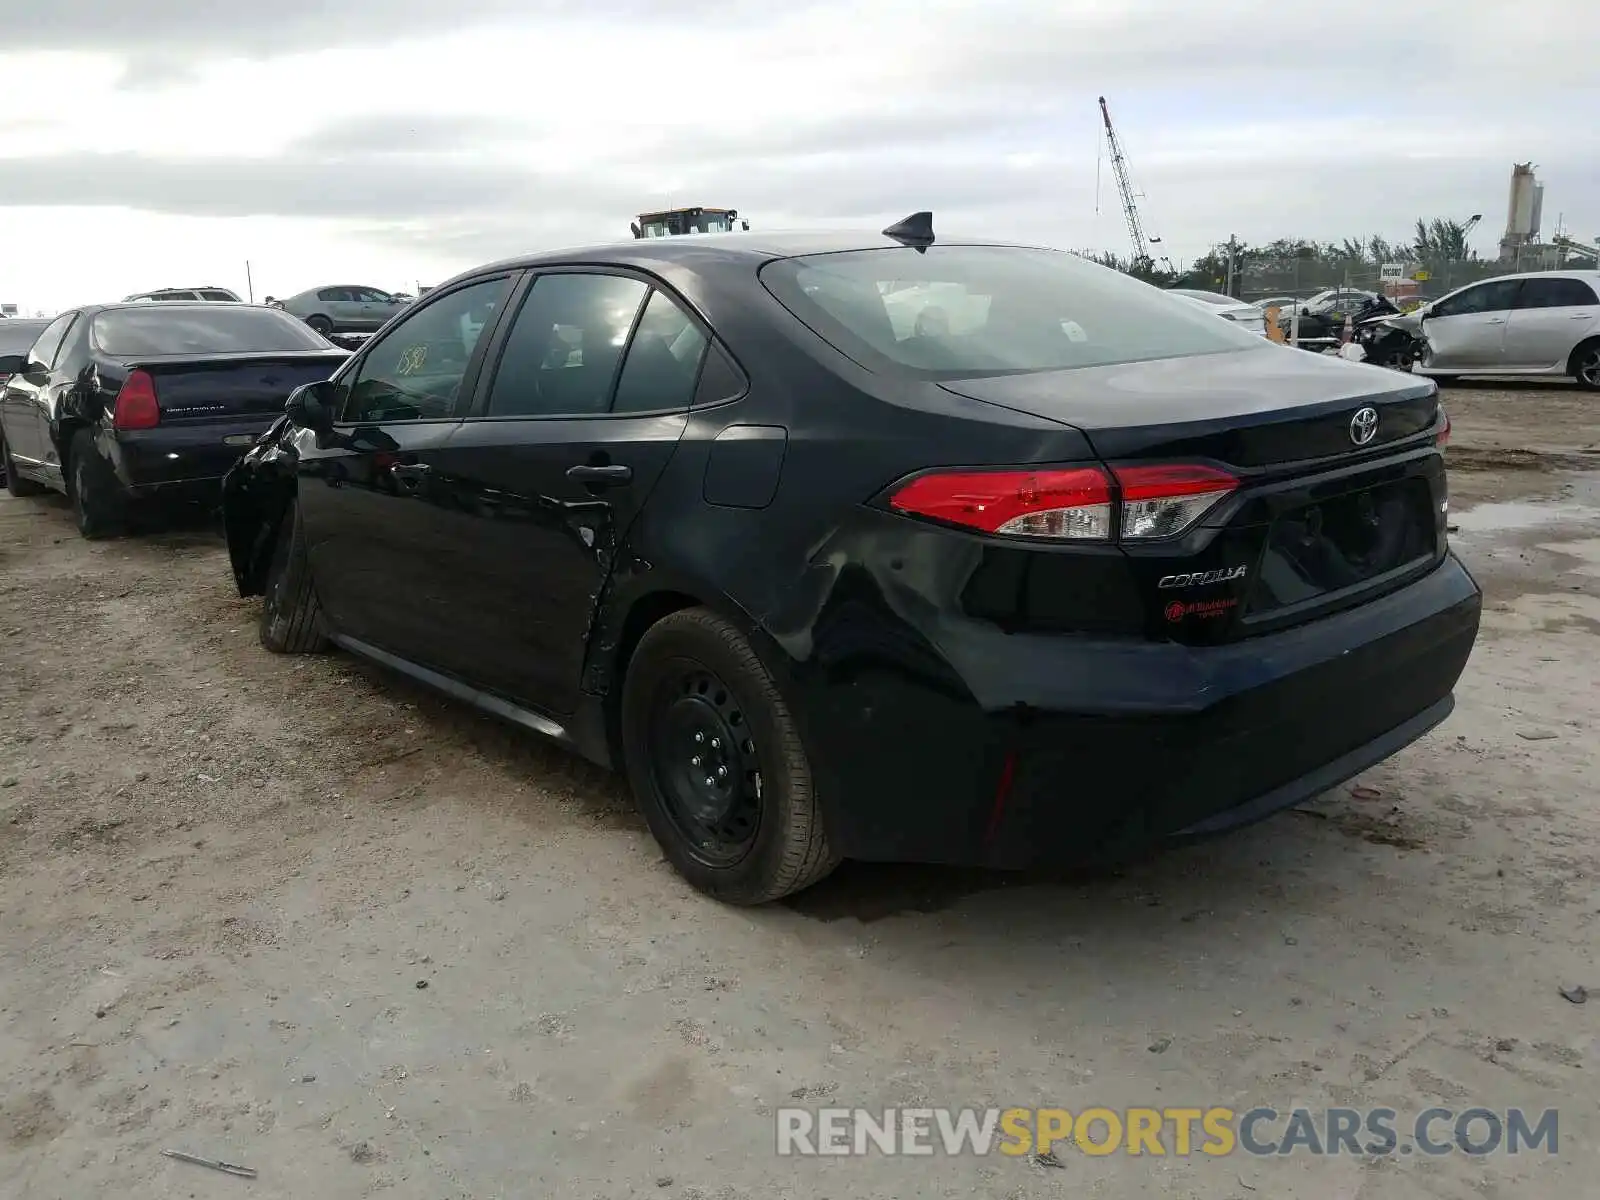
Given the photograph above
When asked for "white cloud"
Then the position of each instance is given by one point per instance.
(364, 141)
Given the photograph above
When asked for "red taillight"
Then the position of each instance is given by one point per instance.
(1162, 501)
(1075, 504)
(1444, 434)
(136, 403)
(1071, 503)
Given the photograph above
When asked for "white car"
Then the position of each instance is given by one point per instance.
(1544, 323)
(1228, 308)
(186, 295)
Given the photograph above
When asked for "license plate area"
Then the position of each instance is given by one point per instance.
(1341, 543)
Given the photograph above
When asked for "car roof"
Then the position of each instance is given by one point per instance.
(752, 247)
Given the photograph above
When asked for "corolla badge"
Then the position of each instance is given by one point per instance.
(1201, 578)
(1364, 425)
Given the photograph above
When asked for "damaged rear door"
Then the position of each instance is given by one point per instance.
(585, 394)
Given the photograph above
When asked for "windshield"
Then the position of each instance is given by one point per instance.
(959, 311)
(201, 329)
(18, 336)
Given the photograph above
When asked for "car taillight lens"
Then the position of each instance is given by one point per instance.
(1135, 503)
(1444, 434)
(1163, 501)
(1073, 503)
(136, 406)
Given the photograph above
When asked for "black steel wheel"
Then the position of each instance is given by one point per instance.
(716, 762)
(704, 763)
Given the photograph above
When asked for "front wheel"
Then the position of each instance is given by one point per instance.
(716, 763)
(291, 618)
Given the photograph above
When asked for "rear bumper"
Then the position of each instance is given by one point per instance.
(182, 461)
(1038, 750)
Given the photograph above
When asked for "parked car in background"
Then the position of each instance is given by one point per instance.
(118, 404)
(187, 295)
(343, 309)
(17, 334)
(1080, 570)
(1285, 305)
(1246, 316)
(1546, 323)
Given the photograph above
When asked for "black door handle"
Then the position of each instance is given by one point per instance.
(410, 472)
(614, 475)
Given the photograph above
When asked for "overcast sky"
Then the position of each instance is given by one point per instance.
(148, 143)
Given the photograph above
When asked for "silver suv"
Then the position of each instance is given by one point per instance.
(217, 294)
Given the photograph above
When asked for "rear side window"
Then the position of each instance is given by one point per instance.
(332, 295)
(1555, 293)
(200, 329)
(663, 360)
(562, 354)
(217, 295)
(979, 310)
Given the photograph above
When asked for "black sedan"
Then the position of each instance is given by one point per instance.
(874, 547)
(120, 404)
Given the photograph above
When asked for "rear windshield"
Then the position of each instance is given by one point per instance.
(983, 310)
(201, 329)
(18, 337)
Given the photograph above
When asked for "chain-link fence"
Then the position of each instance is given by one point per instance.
(1425, 279)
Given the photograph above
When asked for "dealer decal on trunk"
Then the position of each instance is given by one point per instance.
(1178, 610)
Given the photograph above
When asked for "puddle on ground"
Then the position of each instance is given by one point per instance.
(1510, 516)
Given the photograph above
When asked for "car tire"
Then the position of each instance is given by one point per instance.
(291, 618)
(1585, 365)
(321, 324)
(16, 484)
(99, 505)
(697, 698)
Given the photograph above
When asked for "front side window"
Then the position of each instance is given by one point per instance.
(416, 370)
(981, 310)
(371, 296)
(562, 354)
(1494, 296)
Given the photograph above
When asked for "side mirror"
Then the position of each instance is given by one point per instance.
(310, 406)
(13, 364)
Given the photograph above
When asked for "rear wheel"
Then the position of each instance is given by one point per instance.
(321, 324)
(99, 505)
(291, 618)
(1586, 365)
(716, 763)
(15, 484)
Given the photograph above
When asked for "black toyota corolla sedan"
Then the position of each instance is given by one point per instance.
(874, 547)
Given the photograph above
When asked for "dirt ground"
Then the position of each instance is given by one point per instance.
(299, 915)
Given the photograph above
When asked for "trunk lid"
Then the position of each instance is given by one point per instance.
(1318, 522)
(1262, 408)
(227, 387)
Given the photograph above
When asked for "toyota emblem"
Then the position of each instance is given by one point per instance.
(1364, 425)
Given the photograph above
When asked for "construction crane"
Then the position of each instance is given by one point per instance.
(1130, 207)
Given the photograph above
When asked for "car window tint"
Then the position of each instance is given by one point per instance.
(331, 295)
(561, 355)
(972, 310)
(199, 329)
(663, 361)
(1494, 296)
(415, 371)
(48, 345)
(719, 379)
(1555, 293)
